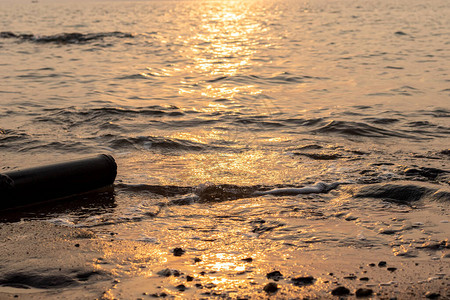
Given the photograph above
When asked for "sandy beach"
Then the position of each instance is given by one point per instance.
(41, 260)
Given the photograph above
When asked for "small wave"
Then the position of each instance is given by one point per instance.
(210, 193)
(382, 120)
(404, 193)
(65, 38)
(72, 116)
(359, 129)
(66, 146)
(10, 138)
(439, 113)
(149, 142)
(282, 78)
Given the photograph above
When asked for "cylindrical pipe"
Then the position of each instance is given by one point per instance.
(29, 186)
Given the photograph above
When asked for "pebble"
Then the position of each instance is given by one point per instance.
(189, 278)
(196, 259)
(391, 269)
(304, 280)
(382, 264)
(248, 259)
(431, 295)
(362, 292)
(388, 283)
(178, 251)
(271, 287)
(364, 279)
(181, 287)
(168, 272)
(340, 291)
(275, 275)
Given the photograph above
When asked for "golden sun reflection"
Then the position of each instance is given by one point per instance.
(222, 44)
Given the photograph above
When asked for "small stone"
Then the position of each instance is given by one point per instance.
(189, 278)
(350, 277)
(340, 291)
(382, 264)
(196, 259)
(271, 287)
(181, 287)
(362, 292)
(248, 259)
(304, 280)
(391, 269)
(371, 265)
(364, 279)
(275, 275)
(168, 272)
(431, 295)
(77, 245)
(178, 251)
(199, 285)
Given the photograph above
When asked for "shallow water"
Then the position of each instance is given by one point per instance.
(204, 103)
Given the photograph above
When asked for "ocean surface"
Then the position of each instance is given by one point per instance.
(218, 113)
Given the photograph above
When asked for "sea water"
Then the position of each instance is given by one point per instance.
(207, 105)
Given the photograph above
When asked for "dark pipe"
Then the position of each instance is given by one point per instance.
(29, 186)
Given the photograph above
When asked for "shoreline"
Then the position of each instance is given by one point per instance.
(45, 261)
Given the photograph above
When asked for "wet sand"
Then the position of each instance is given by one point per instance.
(41, 260)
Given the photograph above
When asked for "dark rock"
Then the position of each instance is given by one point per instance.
(351, 277)
(445, 152)
(156, 295)
(362, 292)
(199, 285)
(77, 245)
(168, 272)
(304, 280)
(196, 259)
(382, 264)
(371, 265)
(391, 269)
(248, 259)
(178, 251)
(275, 275)
(400, 33)
(181, 287)
(271, 287)
(340, 291)
(431, 295)
(364, 279)
(189, 278)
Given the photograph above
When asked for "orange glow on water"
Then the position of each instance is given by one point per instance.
(222, 44)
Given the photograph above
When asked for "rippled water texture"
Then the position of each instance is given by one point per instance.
(218, 112)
